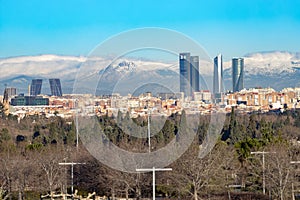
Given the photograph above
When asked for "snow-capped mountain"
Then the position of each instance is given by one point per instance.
(18, 72)
(276, 69)
(270, 62)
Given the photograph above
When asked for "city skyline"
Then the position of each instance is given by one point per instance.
(56, 27)
(261, 70)
(119, 88)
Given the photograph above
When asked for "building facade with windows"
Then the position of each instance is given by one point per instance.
(55, 87)
(218, 75)
(36, 87)
(189, 74)
(29, 101)
(237, 74)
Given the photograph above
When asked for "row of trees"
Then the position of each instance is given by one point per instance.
(32, 164)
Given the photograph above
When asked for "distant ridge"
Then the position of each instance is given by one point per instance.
(277, 69)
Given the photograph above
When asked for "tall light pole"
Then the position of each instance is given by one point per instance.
(263, 163)
(72, 173)
(149, 133)
(153, 170)
(294, 162)
(77, 131)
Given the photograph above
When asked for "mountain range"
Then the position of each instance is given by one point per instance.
(276, 69)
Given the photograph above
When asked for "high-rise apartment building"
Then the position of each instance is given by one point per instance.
(237, 74)
(218, 75)
(189, 73)
(36, 87)
(55, 87)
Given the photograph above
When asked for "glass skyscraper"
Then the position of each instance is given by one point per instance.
(218, 75)
(55, 87)
(36, 87)
(195, 73)
(185, 73)
(189, 73)
(237, 74)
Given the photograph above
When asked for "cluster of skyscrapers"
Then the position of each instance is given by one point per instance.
(189, 73)
(190, 76)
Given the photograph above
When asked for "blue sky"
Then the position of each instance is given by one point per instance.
(75, 27)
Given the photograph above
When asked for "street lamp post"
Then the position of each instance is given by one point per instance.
(76, 123)
(149, 133)
(263, 162)
(72, 173)
(77, 138)
(293, 195)
(153, 170)
(295, 162)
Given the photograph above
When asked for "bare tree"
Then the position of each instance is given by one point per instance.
(50, 171)
(22, 174)
(278, 171)
(121, 183)
(3, 193)
(192, 174)
(7, 166)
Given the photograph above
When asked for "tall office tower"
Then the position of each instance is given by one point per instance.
(185, 73)
(11, 91)
(194, 73)
(55, 87)
(5, 96)
(36, 87)
(5, 102)
(237, 74)
(218, 75)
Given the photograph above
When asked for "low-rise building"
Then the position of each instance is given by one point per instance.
(29, 101)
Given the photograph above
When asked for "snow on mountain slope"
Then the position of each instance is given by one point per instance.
(48, 65)
(69, 68)
(260, 68)
(43, 65)
(277, 69)
(273, 62)
(268, 62)
(41, 58)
